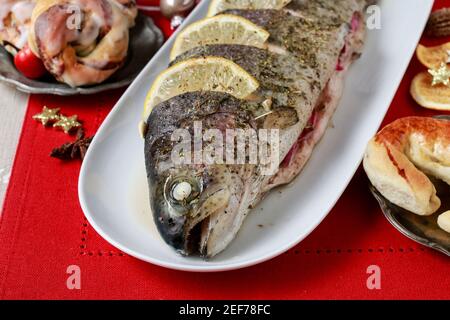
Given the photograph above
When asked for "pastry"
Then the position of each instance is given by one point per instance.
(81, 42)
(15, 20)
(399, 158)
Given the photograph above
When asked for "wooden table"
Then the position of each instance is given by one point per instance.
(12, 109)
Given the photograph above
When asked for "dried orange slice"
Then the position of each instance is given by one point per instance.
(432, 57)
(428, 96)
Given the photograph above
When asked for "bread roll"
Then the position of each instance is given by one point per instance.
(399, 158)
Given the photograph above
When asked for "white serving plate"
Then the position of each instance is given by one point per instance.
(113, 188)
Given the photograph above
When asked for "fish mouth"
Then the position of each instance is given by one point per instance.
(200, 225)
(186, 225)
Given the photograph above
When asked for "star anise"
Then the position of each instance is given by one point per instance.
(73, 150)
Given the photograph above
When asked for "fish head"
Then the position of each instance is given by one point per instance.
(194, 207)
(198, 208)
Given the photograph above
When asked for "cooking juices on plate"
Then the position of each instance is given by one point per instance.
(278, 84)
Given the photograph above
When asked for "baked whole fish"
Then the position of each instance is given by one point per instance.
(301, 75)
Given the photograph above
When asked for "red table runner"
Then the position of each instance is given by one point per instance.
(43, 232)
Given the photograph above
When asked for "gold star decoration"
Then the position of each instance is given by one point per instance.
(440, 75)
(67, 123)
(47, 116)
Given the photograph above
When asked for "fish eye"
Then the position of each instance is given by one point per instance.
(182, 191)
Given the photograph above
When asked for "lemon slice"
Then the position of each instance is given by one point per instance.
(221, 29)
(200, 74)
(217, 6)
(432, 57)
(428, 96)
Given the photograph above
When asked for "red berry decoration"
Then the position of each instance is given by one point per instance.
(28, 64)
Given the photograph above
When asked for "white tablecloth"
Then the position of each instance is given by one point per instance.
(12, 109)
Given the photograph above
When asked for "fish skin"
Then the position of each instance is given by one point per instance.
(315, 43)
(292, 79)
(281, 78)
(327, 10)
